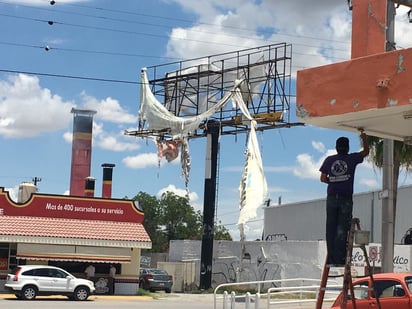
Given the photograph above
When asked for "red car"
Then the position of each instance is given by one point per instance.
(394, 291)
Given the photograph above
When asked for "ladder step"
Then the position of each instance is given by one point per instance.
(344, 269)
(335, 276)
(335, 265)
(329, 289)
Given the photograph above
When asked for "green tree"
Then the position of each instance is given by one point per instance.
(402, 157)
(172, 218)
(221, 232)
(178, 217)
(152, 211)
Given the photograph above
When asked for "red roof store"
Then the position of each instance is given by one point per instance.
(72, 232)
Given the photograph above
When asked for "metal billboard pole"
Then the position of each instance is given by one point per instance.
(388, 219)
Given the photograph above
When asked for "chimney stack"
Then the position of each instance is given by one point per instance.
(81, 149)
(89, 186)
(107, 180)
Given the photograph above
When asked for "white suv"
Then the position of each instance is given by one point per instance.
(28, 281)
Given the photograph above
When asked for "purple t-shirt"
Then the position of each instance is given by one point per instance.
(340, 169)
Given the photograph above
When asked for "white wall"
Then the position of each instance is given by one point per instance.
(269, 260)
(307, 220)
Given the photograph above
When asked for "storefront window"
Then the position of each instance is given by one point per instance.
(78, 268)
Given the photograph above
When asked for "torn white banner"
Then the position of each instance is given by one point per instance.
(253, 186)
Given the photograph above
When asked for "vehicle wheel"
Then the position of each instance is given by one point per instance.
(29, 292)
(81, 293)
(168, 290)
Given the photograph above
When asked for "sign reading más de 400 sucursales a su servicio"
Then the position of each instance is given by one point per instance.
(73, 207)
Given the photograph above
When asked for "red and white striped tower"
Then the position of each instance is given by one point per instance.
(107, 179)
(89, 186)
(81, 150)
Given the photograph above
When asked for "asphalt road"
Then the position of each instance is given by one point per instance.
(162, 301)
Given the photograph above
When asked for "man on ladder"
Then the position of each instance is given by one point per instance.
(338, 172)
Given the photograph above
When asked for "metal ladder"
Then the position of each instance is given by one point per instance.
(347, 275)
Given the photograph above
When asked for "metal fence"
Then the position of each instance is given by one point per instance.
(284, 291)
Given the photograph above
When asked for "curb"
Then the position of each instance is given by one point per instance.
(91, 297)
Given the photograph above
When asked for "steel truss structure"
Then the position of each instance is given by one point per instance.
(188, 88)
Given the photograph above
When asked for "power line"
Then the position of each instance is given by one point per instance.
(200, 23)
(51, 23)
(50, 48)
(117, 54)
(105, 18)
(72, 77)
(157, 25)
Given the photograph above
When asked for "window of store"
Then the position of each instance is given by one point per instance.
(78, 268)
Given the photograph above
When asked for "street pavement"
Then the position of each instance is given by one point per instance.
(158, 301)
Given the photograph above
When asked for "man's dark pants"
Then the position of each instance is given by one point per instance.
(338, 221)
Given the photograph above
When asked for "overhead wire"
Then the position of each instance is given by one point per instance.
(51, 48)
(53, 22)
(199, 23)
(72, 77)
(157, 25)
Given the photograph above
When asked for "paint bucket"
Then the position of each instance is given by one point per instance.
(361, 237)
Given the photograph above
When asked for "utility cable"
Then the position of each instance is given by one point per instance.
(72, 77)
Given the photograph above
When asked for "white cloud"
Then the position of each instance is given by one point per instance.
(231, 25)
(193, 196)
(142, 160)
(402, 27)
(306, 167)
(28, 110)
(108, 109)
(113, 143)
(108, 141)
(319, 146)
(68, 137)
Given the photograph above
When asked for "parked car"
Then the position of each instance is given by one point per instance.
(393, 290)
(154, 279)
(28, 281)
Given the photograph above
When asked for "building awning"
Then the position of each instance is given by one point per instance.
(60, 231)
(74, 258)
(73, 253)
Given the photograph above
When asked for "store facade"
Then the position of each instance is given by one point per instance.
(73, 232)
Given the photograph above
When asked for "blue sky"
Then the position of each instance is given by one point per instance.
(111, 41)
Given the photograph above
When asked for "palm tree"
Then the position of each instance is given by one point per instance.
(402, 157)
